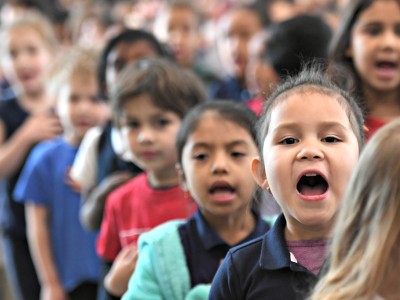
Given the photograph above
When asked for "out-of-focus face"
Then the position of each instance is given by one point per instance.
(217, 167)
(79, 108)
(151, 132)
(126, 53)
(309, 153)
(375, 46)
(243, 25)
(183, 35)
(28, 61)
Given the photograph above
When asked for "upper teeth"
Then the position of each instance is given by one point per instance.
(311, 174)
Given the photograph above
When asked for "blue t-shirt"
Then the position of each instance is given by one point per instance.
(42, 182)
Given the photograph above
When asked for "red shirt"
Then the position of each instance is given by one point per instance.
(136, 207)
(372, 125)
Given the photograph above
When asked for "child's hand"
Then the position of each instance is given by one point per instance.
(52, 292)
(74, 185)
(116, 281)
(41, 127)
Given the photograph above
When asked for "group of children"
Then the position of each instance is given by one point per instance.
(155, 151)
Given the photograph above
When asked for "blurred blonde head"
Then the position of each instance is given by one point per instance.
(365, 253)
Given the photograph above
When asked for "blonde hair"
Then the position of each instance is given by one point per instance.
(37, 22)
(77, 61)
(366, 239)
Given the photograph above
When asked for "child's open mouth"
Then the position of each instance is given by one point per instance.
(386, 69)
(222, 192)
(312, 187)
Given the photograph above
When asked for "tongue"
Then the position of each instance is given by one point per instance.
(223, 195)
(312, 191)
(386, 72)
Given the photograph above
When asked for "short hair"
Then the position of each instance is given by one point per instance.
(130, 36)
(293, 42)
(77, 61)
(232, 111)
(312, 78)
(169, 86)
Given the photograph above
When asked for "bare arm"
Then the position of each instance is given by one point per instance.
(116, 281)
(40, 246)
(35, 129)
(91, 213)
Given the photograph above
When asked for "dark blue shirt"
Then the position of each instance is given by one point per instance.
(229, 89)
(204, 248)
(12, 214)
(108, 160)
(262, 269)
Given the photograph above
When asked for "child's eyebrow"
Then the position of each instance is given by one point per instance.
(228, 145)
(323, 125)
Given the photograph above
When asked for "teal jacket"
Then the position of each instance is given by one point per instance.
(161, 271)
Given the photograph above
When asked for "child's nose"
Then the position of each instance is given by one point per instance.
(219, 165)
(390, 40)
(310, 152)
(145, 135)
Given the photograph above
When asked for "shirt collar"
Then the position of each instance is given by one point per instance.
(274, 252)
(210, 238)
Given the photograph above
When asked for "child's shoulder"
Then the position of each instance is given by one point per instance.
(164, 233)
(129, 188)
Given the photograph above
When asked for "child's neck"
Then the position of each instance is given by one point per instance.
(234, 228)
(166, 178)
(295, 231)
(72, 139)
(33, 103)
(382, 105)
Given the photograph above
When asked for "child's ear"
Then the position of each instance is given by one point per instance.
(181, 176)
(258, 171)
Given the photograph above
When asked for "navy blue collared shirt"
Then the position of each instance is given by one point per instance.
(205, 249)
(262, 269)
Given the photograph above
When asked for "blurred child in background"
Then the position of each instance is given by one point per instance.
(241, 24)
(102, 150)
(63, 252)
(28, 52)
(367, 44)
(149, 102)
(287, 46)
(179, 25)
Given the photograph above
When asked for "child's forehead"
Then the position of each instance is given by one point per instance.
(297, 105)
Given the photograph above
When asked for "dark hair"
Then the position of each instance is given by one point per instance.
(127, 36)
(295, 41)
(235, 112)
(342, 66)
(312, 79)
(169, 86)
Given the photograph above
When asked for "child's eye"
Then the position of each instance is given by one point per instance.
(199, 156)
(132, 124)
(32, 50)
(237, 154)
(331, 139)
(373, 30)
(161, 123)
(289, 141)
(397, 30)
